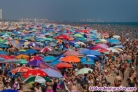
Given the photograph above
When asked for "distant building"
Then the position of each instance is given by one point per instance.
(0, 14)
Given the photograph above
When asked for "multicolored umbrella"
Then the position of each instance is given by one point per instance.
(38, 79)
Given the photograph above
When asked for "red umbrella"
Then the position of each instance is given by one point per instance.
(20, 69)
(8, 57)
(37, 58)
(63, 37)
(34, 72)
(64, 65)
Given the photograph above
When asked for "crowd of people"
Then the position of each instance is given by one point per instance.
(112, 69)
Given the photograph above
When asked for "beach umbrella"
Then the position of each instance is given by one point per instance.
(37, 58)
(3, 52)
(31, 51)
(22, 61)
(15, 43)
(4, 46)
(112, 49)
(86, 59)
(35, 62)
(80, 39)
(20, 69)
(52, 73)
(70, 59)
(71, 53)
(82, 50)
(48, 39)
(83, 71)
(9, 90)
(114, 41)
(40, 39)
(63, 37)
(92, 52)
(54, 52)
(116, 36)
(80, 43)
(46, 49)
(34, 72)
(119, 46)
(78, 35)
(11, 60)
(88, 63)
(36, 48)
(38, 79)
(64, 65)
(22, 56)
(2, 59)
(49, 58)
(103, 45)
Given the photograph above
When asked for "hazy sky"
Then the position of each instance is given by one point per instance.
(111, 10)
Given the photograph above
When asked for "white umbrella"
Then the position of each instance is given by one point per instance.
(112, 49)
(83, 71)
(80, 43)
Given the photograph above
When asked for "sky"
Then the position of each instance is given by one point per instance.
(71, 10)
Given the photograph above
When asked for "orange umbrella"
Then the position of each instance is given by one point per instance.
(64, 65)
(20, 69)
(22, 56)
(70, 59)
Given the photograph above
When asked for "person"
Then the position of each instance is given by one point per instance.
(49, 86)
(38, 88)
(55, 85)
(73, 86)
(117, 80)
(7, 86)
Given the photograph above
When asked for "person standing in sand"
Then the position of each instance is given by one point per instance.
(118, 80)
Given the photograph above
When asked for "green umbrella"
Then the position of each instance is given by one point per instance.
(22, 61)
(83, 71)
(38, 79)
(97, 41)
(48, 39)
(78, 35)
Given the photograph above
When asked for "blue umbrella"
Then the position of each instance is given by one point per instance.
(82, 50)
(4, 46)
(31, 51)
(92, 52)
(3, 52)
(55, 62)
(49, 58)
(88, 62)
(93, 57)
(2, 59)
(9, 90)
(52, 73)
(113, 41)
(119, 46)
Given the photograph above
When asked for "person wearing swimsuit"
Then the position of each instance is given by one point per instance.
(73, 86)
